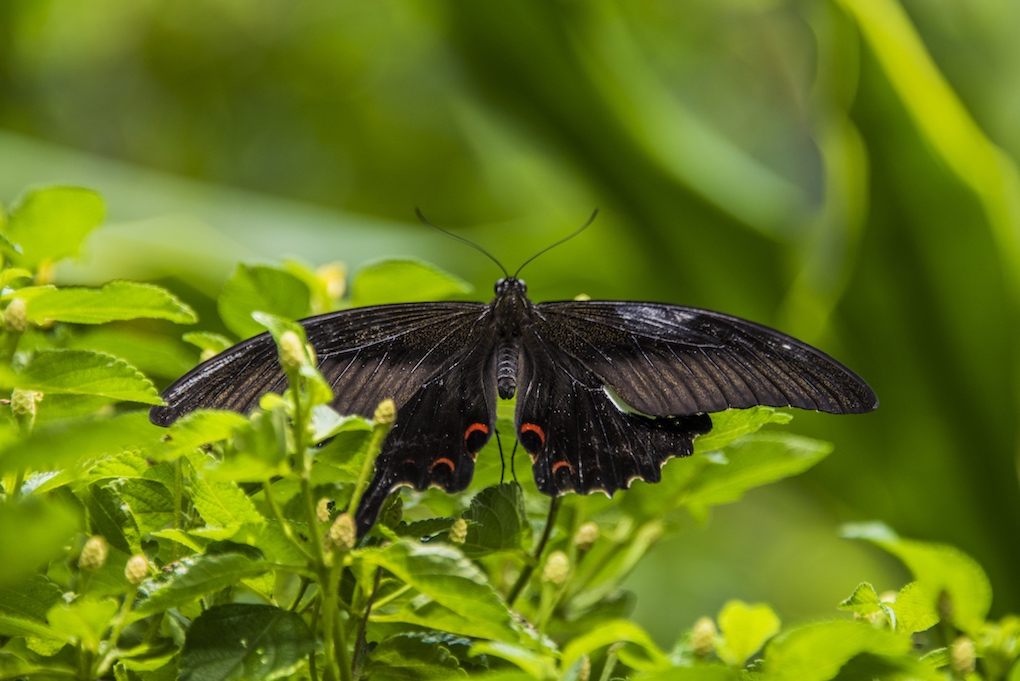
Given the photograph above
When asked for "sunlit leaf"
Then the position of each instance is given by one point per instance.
(953, 581)
(51, 224)
(863, 601)
(403, 281)
(744, 630)
(82, 372)
(117, 300)
(815, 652)
(731, 424)
(84, 620)
(616, 631)
(264, 288)
(247, 642)
(194, 430)
(207, 340)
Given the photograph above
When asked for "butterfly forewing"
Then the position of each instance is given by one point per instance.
(671, 360)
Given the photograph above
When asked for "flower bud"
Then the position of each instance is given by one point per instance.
(343, 534)
(334, 276)
(458, 531)
(703, 636)
(584, 673)
(586, 536)
(137, 568)
(557, 568)
(322, 510)
(23, 407)
(93, 554)
(15, 316)
(962, 655)
(386, 412)
(292, 351)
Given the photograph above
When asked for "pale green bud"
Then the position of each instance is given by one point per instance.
(93, 554)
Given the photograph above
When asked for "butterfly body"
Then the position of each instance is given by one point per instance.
(606, 391)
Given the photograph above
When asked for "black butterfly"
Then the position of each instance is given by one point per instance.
(606, 391)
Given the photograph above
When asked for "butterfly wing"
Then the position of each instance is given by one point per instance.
(435, 360)
(578, 437)
(667, 359)
(608, 391)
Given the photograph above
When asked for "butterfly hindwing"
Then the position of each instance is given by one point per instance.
(438, 432)
(580, 439)
(667, 359)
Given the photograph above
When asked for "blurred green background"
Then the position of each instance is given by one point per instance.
(844, 170)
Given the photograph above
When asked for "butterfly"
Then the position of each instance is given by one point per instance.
(606, 391)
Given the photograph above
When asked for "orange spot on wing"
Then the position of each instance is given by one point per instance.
(476, 428)
(444, 461)
(560, 464)
(536, 429)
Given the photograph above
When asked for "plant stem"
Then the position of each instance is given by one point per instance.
(528, 569)
(359, 643)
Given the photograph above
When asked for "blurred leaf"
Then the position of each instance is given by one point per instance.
(84, 620)
(815, 652)
(939, 569)
(403, 281)
(609, 633)
(247, 642)
(701, 672)
(82, 372)
(754, 460)
(744, 630)
(63, 444)
(50, 224)
(192, 578)
(261, 288)
(117, 300)
(207, 340)
(407, 657)
(152, 354)
(43, 531)
(536, 665)
(10, 274)
(496, 519)
(450, 581)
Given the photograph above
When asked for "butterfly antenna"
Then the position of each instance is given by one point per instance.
(563, 240)
(461, 239)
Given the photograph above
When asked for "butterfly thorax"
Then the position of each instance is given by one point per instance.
(511, 310)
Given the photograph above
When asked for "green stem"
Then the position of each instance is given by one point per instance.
(528, 569)
(360, 643)
(178, 495)
(118, 628)
(288, 531)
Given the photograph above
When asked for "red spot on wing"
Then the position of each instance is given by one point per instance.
(536, 429)
(444, 461)
(476, 428)
(560, 464)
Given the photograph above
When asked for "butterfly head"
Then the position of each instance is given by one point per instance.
(508, 285)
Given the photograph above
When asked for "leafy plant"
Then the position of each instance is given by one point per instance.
(221, 548)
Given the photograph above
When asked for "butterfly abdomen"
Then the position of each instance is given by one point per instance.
(506, 367)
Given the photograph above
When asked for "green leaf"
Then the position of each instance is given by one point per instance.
(915, 608)
(222, 503)
(403, 281)
(497, 520)
(43, 530)
(536, 666)
(81, 372)
(153, 354)
(192, 578)
(117, 300)
(9, 274)
(207, 340)
(259, 287)
(700, 672)
(944, 572)
(457, 595)
(411, 657)
(744, 630)
(84, 619)
(149, 502)
(731, 424)
(752, 461)
(51, 224)
(195, 430)
(863, 601)
(816, 652)
(314, 382)
(24, 606)
(244, 641)
(61, 445)
(616, 631)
